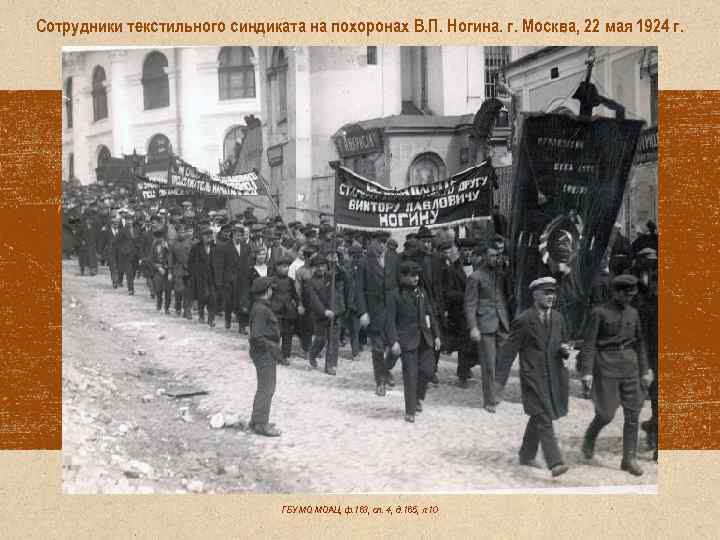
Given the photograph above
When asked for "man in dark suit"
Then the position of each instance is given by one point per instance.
(225, 264)
(178, 264)
(202, 275)
(414, 333)
(456, 332)
(539, 334)
(487, 317)
(128, 241)
(109, 244)
(241, 287)
(376, 277)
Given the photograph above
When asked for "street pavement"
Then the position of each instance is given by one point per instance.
(122, 433)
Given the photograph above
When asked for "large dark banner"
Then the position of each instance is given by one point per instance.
(567, 191)
(365, 205)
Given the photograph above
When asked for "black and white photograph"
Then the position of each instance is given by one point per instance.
(359, 269)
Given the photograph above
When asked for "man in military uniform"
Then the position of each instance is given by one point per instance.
(615, 367)
(179, 271)
(264, 352)
(486, 313)
(540, 335)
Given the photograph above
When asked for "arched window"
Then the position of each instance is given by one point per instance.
(99, 94)
(236, 73)
(233, 141)
(425, 169)
(156, 90)
(159, 148)
(103, 155)
(69, 103)
(280, 69)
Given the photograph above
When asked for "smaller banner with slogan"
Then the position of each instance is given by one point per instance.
(365, 205)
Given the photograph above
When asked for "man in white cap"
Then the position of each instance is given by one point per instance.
(539, 334)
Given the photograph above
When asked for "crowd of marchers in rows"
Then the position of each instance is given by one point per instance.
(438, 293)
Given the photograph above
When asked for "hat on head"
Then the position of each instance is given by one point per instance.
(624, 282)
(226, 228)
(284, 259)
(318, 260)
(260, 285)
(325, 228)
(466, 243)
(355, 250)
(380, 235)
(294, 224)
(257, 228)
(546, 283)
(281, 227)
(445, 244)
(310, 233)
(648, 253)
(424, 233)
(409, 268)
(187, 203)
(392, 243)
(204, 231)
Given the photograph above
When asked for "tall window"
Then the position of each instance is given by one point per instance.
(372, 56)
(236, 73)
(71, 166)
(423, 79)
(99, 94)
(156, 89)
(233, 141)
(280, 69)
(69, 103)
(496, 58)
(654, 100)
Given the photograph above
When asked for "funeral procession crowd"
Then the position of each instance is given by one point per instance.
(437, 293)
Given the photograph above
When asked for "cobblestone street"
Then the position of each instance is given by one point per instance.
(123, 433)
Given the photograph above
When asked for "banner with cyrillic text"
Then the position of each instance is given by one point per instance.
(364, 205)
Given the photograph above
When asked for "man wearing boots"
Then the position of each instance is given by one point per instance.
(414, 333)
(179, 276)
(615, 368)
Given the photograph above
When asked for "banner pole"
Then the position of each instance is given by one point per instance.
(333, 256)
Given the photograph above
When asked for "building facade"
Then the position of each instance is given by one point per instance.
(398, 115)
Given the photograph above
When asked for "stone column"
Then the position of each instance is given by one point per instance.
(117, 99)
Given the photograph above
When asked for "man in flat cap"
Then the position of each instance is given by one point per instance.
(265, 353)
(225, 265)
(486, 313)
(110, 249)
(128, 247)
(414, 334)
(179, 270)
(302, 274)
(202, 275)
(540, 335)
(328, 308)
(376, 278)
(615, 367)
(284, 304)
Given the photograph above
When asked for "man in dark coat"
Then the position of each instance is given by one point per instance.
(615, 367)
(457, 332)
(327, 309)
(179, 276)
(241, 286)
(486, 313)
(539, 334)
(128, 241)
(284, 304)
(264, 352)
(109, 245)
(160, 268)
(202, 275)
(376, 277)
(353, 305)
(225, 265)
(87, 236)
(415, 335)
(303, 275)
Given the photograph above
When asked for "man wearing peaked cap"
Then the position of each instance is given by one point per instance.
(284, 304)
(225, 263)
(264, 352)
(539, 334)
(615, 367)
(414, 334)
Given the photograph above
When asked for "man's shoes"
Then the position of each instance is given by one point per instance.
(188, 316)
(331, 371)
(410, 418)
(418, 407)
(211, 323)
(284, 362)
(115, 285)
(390, 380)
(201, 318)
(588, 450)
(380, 390)
(434, 379)
(490, 408)
(131, 293)
(463, 383)
(242, 331)
(557, 470)
(267, 430)
(529, 463)
(632, 467)
(227, 325)
(313, 364)
(158, 308)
